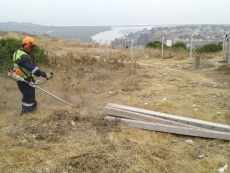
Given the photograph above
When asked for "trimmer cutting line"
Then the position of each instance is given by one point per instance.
(34, 84)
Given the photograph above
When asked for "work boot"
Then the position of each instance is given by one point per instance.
(28, 109)
(23, 112)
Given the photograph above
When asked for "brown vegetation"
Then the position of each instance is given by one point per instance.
(56, 138)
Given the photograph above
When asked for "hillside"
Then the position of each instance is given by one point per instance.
(74, 33)
(201, 34)
(56, 138)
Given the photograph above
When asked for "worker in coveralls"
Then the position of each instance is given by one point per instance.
(23, 62)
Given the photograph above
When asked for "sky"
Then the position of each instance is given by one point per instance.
(115, 12)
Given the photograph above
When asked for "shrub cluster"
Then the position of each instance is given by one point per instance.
(7, 48)
(210, 48)
(156, 45)
(179, 45)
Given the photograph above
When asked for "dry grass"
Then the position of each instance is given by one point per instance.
(54, 139)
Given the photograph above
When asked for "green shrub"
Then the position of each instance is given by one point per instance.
(179, 45)
(7, 48)
(39, 56)
(156, 45)
(209, 48)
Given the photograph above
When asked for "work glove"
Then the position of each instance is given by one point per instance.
(49, 75)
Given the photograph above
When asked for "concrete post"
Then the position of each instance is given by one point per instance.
(162, 47)
(191, 46)
(131, 49)
(223, 51)
(93, 48)
(107, 57)
(100, 47)
(228, 52)
(105, 44)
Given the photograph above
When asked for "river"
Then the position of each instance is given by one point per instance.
(117, 32)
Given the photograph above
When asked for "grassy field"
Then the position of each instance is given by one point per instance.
(56, 138)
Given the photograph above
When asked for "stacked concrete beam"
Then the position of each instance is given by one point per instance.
(157, 121)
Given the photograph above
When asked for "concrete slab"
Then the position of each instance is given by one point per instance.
(173, 129)
(174, 118)
(142, 117)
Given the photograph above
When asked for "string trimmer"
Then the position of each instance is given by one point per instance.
(34, 84)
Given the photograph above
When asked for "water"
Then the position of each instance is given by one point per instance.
(117, 32)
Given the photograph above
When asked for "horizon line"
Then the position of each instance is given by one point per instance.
(120, 25)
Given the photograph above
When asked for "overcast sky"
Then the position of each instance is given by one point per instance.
(115, 12)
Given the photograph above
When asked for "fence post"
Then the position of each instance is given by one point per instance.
(162, 47)
(93, 48)
(191, 46)
(223, 50)
(100, 47)
(131, 49)
(107, 54)
(105, 44)
(196, 62)
(228, 52)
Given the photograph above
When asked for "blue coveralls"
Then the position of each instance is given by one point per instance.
(24, 62)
